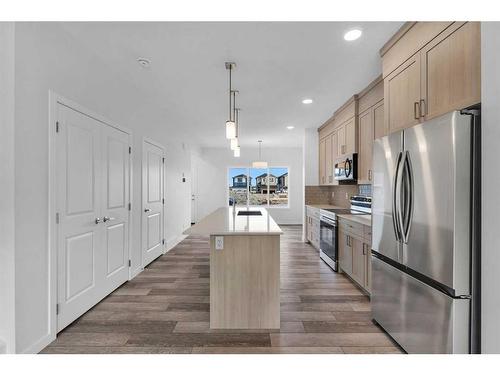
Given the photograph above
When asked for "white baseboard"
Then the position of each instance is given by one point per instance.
(39, 345)
(174, 241)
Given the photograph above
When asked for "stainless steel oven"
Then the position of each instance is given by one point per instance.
(328, 245)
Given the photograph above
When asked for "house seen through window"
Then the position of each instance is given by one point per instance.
(258, 187)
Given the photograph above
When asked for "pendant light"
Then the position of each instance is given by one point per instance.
(230, 124)
(260, 163)
(234, 141)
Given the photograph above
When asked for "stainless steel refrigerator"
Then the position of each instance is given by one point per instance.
(425, 254)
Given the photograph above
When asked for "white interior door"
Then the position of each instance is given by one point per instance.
(92, 172)
(115, 214)
(152, 202)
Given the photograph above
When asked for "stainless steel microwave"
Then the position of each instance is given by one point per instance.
(346, 168)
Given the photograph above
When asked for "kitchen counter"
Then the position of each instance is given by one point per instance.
(361, 219)
(244, 268)
(224, 222)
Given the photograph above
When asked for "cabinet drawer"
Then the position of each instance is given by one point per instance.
(312, 212)
(352, 228)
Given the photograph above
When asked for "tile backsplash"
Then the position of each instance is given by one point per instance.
(336, 195)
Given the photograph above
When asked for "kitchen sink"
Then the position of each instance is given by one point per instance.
(249, 213)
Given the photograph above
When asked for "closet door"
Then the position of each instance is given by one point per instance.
(93, 195)
(81, 261)
(115, 205)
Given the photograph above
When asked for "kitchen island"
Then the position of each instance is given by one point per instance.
(244, 268)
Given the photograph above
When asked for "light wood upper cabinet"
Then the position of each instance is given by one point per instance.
(451, 70)
(444, 74)
(402, 96)
(379, 129)
(350, 136)
(328, 160)
(366, 127)
(322, 161)
(341, 138)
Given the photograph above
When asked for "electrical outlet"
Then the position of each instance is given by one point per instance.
(347, 196)
(333, 194)
(219, 243)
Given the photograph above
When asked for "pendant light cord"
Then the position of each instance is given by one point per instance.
(230, 91)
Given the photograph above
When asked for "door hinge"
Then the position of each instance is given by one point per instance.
(163, 160)
(57, 126)
(57, 217)
(130, 263)
(163, 201)
(130, 206)
(57, 309)
(163, 242)
(129, 149)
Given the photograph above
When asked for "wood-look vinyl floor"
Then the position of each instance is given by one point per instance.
(165, 309)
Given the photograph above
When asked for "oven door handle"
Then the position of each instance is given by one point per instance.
(328, 221)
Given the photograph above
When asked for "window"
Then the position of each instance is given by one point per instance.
(258, 187)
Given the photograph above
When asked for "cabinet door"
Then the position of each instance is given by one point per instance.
(328, 160)
(345, 252)
(366, 120)
(378, 121)
(340, 141)
(402, 95)
(451, 70)
(368, 267)
(335, 153)
(358, 261)
(350, 136)
(322, 161)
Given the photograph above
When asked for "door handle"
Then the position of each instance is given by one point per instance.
(147, 210)
(369, 174)
(105, 218)
(97, 220)
(399, 195)
(408, 204)
(416, 108)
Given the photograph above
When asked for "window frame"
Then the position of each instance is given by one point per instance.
(248, 168)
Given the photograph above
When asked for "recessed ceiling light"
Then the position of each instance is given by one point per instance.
(143, 62)
(307, 101)
(352, 34)
(290, 127)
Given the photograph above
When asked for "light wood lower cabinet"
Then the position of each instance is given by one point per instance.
(312, 226)
(355, 252)
(345, 252)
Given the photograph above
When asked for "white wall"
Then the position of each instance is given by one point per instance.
(211, 168)
(46, 58)
(7, 213)
(490, 125)
(311, 162)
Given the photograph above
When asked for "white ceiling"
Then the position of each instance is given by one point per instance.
(278, 64)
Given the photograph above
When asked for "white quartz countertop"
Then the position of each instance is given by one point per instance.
(224, 222)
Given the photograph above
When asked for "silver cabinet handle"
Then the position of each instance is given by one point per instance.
(369, 174)
(423, 109)
(147, 210)
(97, 220)
(105, 218)
(416, 108)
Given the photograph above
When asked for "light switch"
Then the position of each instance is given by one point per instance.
(219, 243)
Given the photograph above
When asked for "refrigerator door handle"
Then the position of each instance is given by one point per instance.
(408, 197)
(395, 195)
(400, 196)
